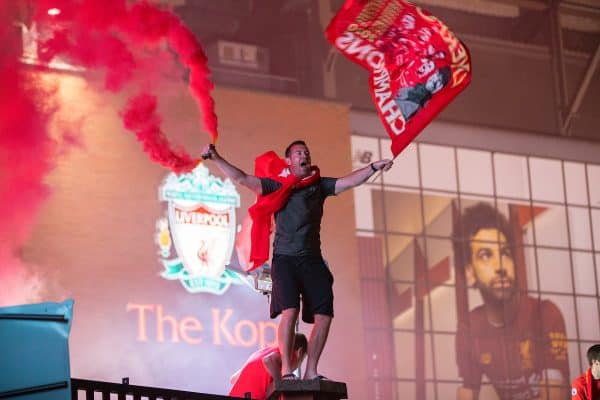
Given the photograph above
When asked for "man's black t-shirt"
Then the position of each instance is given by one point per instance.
(298, 222)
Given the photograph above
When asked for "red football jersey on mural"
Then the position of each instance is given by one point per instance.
(513, 356)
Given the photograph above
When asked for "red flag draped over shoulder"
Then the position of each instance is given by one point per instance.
(269, 165)
(417, 65)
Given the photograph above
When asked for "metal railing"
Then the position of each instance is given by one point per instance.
(83, 388)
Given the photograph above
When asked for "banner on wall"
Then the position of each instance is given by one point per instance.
(416, 65)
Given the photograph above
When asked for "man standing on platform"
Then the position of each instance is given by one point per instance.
(587, 386)
(295, 195)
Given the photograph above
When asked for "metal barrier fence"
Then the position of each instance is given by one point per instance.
(90, 390)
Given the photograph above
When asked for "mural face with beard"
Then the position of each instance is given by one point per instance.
(492, 266)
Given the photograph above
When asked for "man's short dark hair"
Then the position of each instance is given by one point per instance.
(300, 342)
(480, 216)
(593, 353)
(289, 148)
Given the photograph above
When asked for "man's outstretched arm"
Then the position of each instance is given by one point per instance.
(361, 175)
(234, 173)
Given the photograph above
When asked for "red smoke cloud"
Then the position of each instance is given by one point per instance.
(103, 35)
(26, 155)
(90, 36)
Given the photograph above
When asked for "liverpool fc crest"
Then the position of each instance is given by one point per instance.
(200, 226)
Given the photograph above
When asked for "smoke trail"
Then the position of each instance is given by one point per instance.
(106, 36)
(140, 117)
(115, 42)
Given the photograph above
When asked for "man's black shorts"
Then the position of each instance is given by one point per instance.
(301, 275)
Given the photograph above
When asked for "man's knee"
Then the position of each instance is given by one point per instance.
(289, 315)
(289, 312)
(323, 320)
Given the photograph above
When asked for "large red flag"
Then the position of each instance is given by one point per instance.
(417, 65)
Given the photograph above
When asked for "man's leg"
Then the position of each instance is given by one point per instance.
(285, 337)
(316, 343)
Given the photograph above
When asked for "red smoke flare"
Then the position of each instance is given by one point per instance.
(106, 35)
(112, 40)
(26, 155)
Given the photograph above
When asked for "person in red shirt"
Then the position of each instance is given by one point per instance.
(516, 340)
(263, 368)
(587, 386)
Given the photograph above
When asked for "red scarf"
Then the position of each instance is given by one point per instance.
(269, 165)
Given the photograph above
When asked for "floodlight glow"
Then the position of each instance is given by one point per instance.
(53, 11)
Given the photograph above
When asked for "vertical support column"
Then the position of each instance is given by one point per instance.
(329, 77)
(419, 293)
(558, 66)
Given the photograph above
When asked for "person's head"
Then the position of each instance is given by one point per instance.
(300, 347)
(593, 356)
(438, 80)
(483, 243)
(297, 157)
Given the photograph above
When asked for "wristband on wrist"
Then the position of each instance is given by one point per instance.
(373, 167)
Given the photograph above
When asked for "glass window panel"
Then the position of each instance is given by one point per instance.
(404, 346)
(375, 304)
(401, 211)
(382, 389)
(555, 271)
(488, 392)
(405, 171)
(371, 256)
(511, 176)
(583, 271)
(406, 390)
(365, 209)
(531, 270)
(438, 214)
(546, 180)
(523, 214)
(578, 362)
(364, 151)
(447, 391)
(594, 184)
(579, 228)
(437, 167)
(439, 260)
(430, 391)
(403, 256)
(475, 172)
(596, 228)
(428, 340)
(445, 354)
(597, 258)
(587, 313)
(576, 183)
(551, 227)
(402, 305)
(443, 309)
(567, 309)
